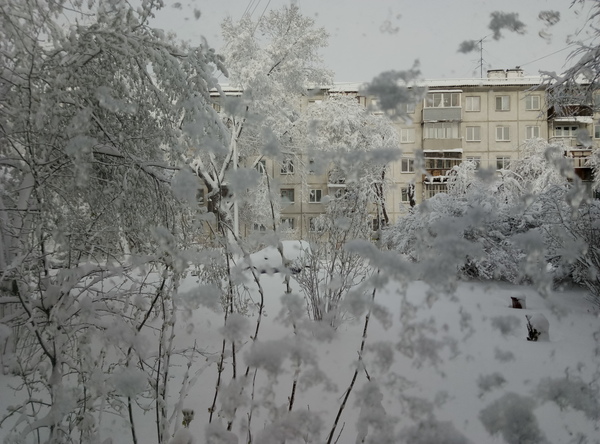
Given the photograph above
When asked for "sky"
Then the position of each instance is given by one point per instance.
(369, 37)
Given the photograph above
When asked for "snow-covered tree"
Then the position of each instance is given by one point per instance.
(97, 110)
(482, 214)
(272, 61)
(352, 146)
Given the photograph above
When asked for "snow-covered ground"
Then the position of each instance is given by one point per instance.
(431, 355)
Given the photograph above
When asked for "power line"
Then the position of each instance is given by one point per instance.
(247, 10)
(548, 55)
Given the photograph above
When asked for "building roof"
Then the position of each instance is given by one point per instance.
(498, 77)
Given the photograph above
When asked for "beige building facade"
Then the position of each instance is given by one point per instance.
(483, 120)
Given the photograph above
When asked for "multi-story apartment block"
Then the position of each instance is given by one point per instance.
(484, 120)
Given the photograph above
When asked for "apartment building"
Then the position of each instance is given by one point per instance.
(484, 120)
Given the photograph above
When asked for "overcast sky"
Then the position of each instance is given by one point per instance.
(371, 36)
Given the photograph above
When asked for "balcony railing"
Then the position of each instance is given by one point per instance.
(440, 163)
(580, 158)
(442, 144)
(566, 141)
(442, 114)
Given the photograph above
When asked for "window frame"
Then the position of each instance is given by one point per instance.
(503, 106)
(259, 227)
(476, 136)
(287, 167)
(283, 191)
(431, 189)
(532, 128)
(505, 136)
(475, 159)
(311, 225)
(469, 106)
(529, 105)
(261, 166)
(407, 135)
(567, 131)
(405, 194)
(442, 128)
(503, 161)
(442, 99)
(315, 195)
(407, 165)
(290, 221)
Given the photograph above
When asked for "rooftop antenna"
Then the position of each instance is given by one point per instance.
(481, 56)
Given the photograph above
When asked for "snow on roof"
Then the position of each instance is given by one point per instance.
(582, 119)
(439, 85)
(453, 150)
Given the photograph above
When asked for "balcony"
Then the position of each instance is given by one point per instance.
(442, 144)
(581, 157)
(571, 113)
(565, 141)
(442, 114)
(439, 163)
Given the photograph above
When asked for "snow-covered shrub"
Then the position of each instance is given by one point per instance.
(571, 392)
(507, 225)
(477, 224)
(331, 270)
(512, 417)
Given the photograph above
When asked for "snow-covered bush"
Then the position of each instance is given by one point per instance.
(476, 223)
(506, 225)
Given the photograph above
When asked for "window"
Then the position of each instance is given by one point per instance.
(259, 227)
(287, 167)
(440, 160)
(407, 166)
(473, 134)
(475, 159)
(339, 193)
(407, 135)
(261, 166)
(314, 225)
(565, 131)
(200, 196)
(410, 108)
(502, 162)
(502, 103)
(287, 195)
(532, 103)
(431, 189)
(472, 103)
(314, 196)
(288, 222)
(502, 134)
(311, 166)
(441, 130)
(404, 195)
(442, 100)
(596, 131)
(532, 132)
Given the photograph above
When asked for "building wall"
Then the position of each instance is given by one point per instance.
(507, 100)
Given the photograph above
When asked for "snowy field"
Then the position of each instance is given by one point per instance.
(429, 356)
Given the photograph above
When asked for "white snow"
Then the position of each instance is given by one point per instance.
(454, 371)
(268, 260)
